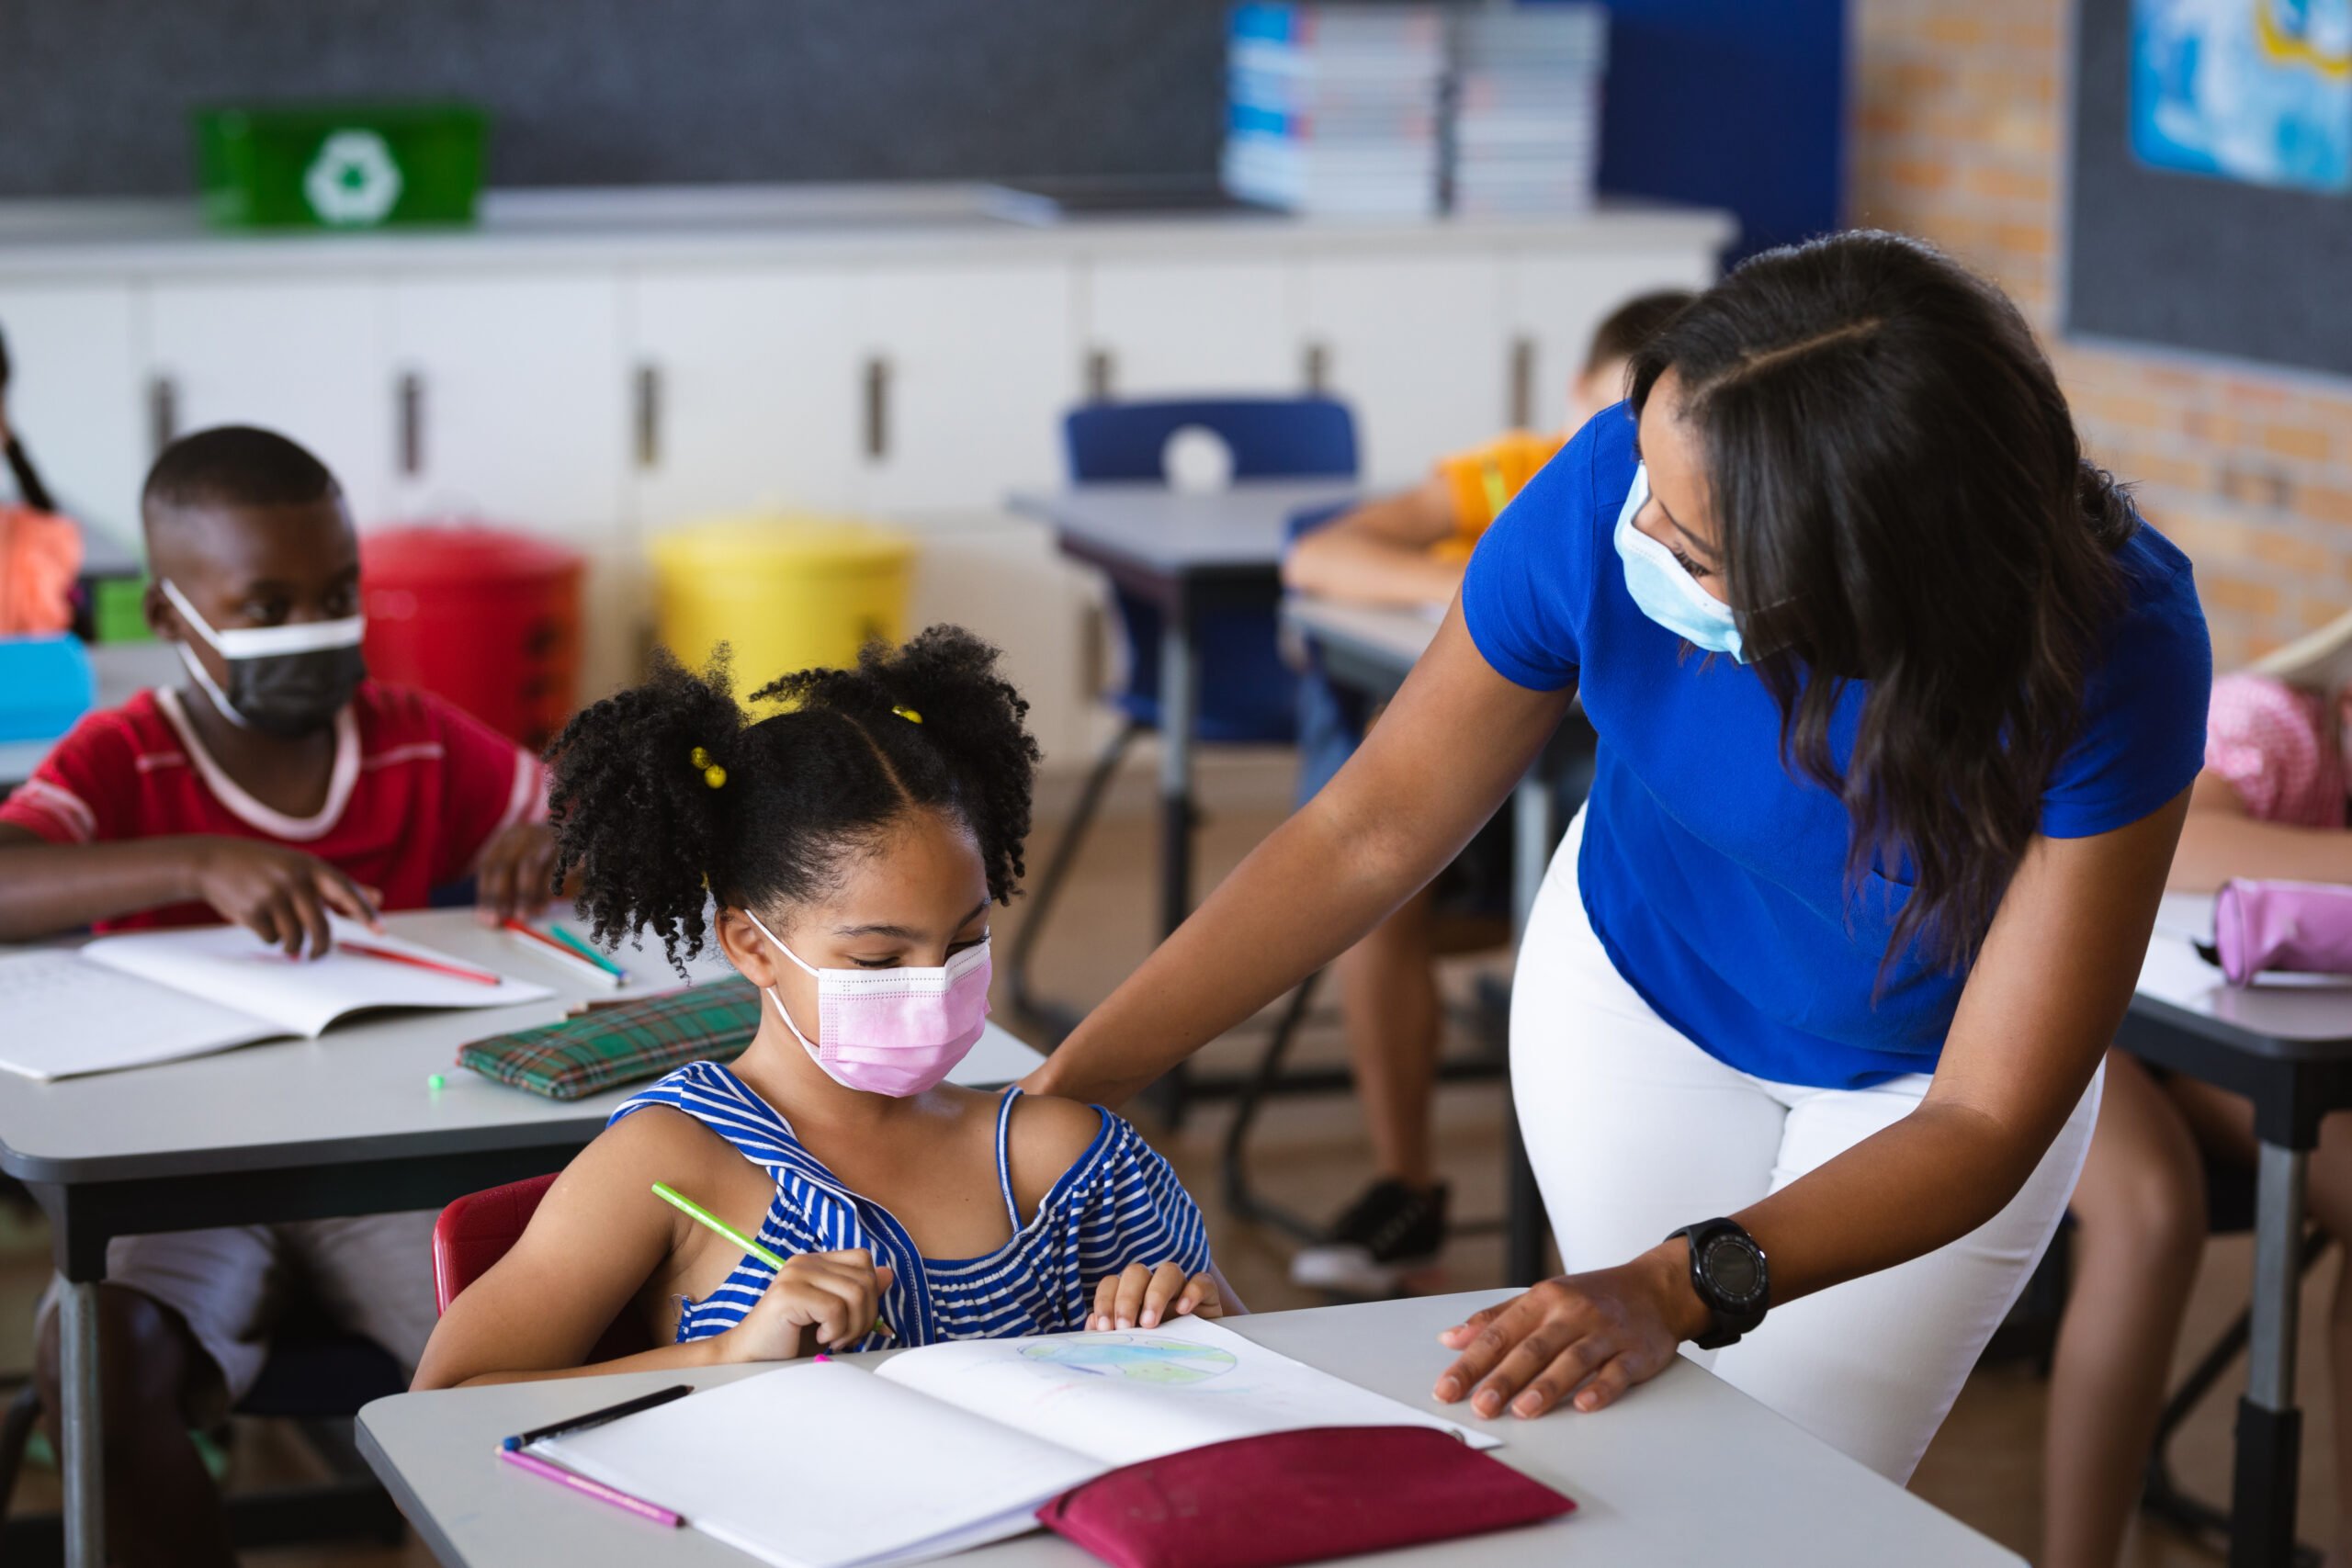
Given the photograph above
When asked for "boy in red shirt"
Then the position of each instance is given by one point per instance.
(277, 784)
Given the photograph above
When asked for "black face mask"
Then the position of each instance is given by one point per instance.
(285, 681)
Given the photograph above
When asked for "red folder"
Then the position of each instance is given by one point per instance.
(1297, 1497)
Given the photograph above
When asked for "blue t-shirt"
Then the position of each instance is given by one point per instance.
(1714, 875)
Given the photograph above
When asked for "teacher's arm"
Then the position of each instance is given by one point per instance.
(1441, 759)
(2050, 985)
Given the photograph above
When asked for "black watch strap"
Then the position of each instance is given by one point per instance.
(1728, 1272)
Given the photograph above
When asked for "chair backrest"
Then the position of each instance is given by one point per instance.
(1270, 438)
(476, 1231)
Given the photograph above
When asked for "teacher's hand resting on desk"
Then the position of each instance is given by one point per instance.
(1897, 702)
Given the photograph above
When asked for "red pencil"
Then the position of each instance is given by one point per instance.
(461, 971)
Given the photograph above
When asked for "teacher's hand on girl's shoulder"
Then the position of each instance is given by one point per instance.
(1589, 1336)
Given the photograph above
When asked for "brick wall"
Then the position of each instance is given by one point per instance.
(1959, 130)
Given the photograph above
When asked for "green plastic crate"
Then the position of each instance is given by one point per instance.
(340, 166)
(118, 609)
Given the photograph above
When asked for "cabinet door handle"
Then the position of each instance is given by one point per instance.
(877, 408)
(1315, 367)
(163, 412)
(411, 424)
(1522, 382)
(649, 416)
(1101, 369)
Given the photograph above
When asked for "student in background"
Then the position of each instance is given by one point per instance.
(2270, 804)
(853, 844)
(278, 784)
(30, 489)
(1410, 550)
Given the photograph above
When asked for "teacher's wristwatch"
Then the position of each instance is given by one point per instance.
(1727, 1270)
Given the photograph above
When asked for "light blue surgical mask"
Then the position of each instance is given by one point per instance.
(1665, 592)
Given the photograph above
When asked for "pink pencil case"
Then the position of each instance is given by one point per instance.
(1292, 1497)
(2289, 927)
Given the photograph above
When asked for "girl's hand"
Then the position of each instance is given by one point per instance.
(1593, 1335)
(1138, 1297)
(817, 1300)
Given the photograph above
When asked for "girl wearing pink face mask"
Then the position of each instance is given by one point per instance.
(844, 855)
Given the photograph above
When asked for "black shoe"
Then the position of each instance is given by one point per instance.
(1390, 1231)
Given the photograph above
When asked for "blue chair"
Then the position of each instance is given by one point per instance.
(1247, 696)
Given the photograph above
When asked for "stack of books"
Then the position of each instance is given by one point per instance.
(1337, 109)
(1524, 132)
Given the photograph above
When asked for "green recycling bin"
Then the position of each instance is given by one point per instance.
(339, 166)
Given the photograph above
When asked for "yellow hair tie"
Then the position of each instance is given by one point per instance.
(908, 714)
(712, 773)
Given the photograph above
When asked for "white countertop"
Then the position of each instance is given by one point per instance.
(815, 223)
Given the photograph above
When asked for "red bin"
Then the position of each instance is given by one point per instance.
(487, 618)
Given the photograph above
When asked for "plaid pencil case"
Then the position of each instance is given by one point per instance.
(624, 1043)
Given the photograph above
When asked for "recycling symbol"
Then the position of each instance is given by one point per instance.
(352, 182)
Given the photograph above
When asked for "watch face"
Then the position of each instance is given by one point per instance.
(1732, 1269)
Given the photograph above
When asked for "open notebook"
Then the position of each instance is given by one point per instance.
(146, 996)
(827, 1465)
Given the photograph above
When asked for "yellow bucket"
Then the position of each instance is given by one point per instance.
(788, 592)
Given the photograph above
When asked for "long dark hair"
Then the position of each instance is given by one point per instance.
(1903, 500)
(638, 808)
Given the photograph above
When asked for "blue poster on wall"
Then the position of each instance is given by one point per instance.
(2252, 90)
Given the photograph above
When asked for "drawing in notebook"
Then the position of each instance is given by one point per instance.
(805, 1466)
(148, 996)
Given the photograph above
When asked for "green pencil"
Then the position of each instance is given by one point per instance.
(702, 1216)
(580, 947)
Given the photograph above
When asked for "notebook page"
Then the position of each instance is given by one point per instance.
(232, 967)
(64, 1016)
(822, 1465)
(1138, 1395)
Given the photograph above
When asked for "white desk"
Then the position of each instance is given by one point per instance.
(341, 1126)
(2288, 1048)
(1686, 1469)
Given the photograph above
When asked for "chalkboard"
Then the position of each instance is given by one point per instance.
(95, 94)
(2190, 261)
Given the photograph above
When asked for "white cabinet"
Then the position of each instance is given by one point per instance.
(600, 388)
(510, 410)
(746, 390)
(968, 370)
(74, 397)
(1160, 328)
(1554, 300)
(1415, 344)
(305, 357)
(509, 405)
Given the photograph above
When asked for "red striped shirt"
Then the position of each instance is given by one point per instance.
(416, 788)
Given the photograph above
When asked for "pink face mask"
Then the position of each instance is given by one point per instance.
(894, 1032)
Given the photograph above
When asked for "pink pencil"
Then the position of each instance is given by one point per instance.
(596, 1489)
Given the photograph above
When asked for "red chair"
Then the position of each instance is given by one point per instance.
(475, 1232)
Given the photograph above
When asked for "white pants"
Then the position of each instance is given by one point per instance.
(1636, 1132)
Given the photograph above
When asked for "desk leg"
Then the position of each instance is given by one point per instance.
(2269, 1435)
(85, 1459)
(1178, 699)
(1180, 677)
(1523, 1220)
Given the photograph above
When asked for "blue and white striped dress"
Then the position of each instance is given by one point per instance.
(1118, 1204)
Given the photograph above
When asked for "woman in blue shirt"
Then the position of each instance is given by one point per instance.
(1898, 703)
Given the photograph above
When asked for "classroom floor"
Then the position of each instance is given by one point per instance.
(1983, 1467)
